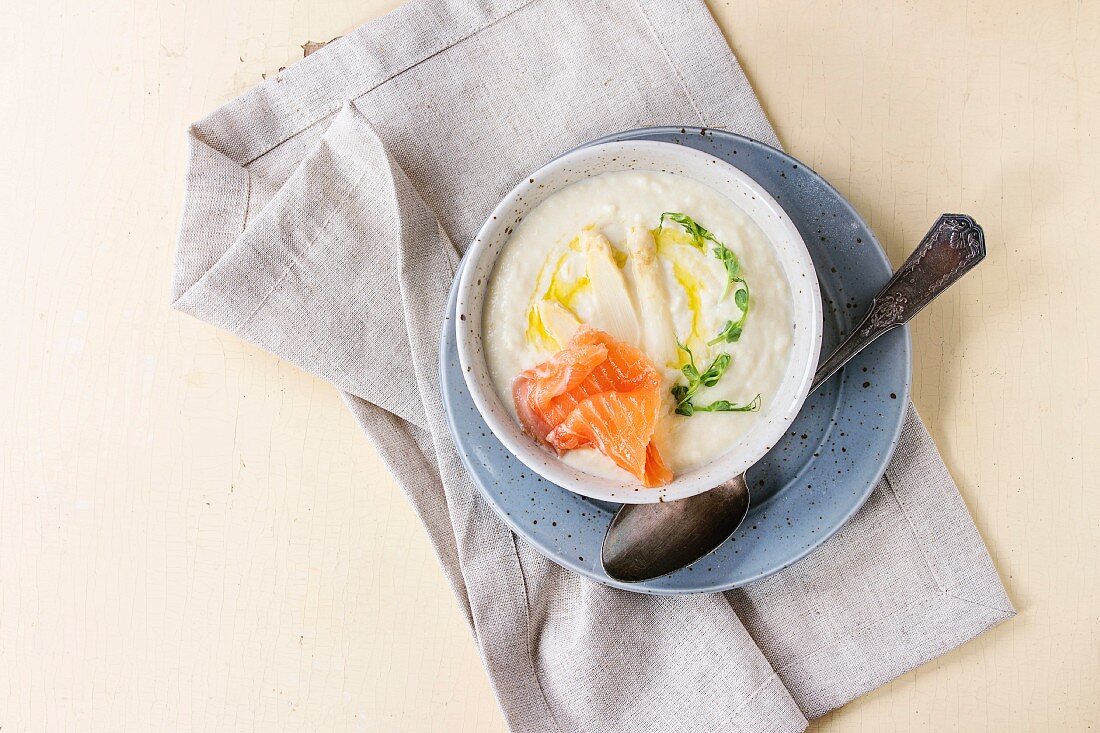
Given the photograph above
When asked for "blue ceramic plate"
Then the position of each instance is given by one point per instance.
(811, 482)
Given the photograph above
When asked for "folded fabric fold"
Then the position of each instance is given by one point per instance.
(321, 222)
(330, 236)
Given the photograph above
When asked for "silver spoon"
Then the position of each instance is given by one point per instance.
(646, 541)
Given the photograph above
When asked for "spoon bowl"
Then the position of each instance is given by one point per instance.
(647, 541)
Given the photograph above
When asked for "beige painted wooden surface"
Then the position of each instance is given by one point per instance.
(194, 536)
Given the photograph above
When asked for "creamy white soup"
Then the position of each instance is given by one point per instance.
(598, 253)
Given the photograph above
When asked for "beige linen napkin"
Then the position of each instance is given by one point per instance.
(326, 211)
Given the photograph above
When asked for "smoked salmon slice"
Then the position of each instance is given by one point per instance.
(599, 393)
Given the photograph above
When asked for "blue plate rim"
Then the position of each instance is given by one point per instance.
(450, 322)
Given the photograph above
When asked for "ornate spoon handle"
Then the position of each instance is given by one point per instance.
(953, 245)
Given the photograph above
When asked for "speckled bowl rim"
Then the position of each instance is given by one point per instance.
(791, 253)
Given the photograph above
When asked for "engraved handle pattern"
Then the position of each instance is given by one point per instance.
(950, 249)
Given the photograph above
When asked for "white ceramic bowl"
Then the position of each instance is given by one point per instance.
(790, 251)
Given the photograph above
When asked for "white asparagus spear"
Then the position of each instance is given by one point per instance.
(614, 311)
(658, 332)
(558, 321)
